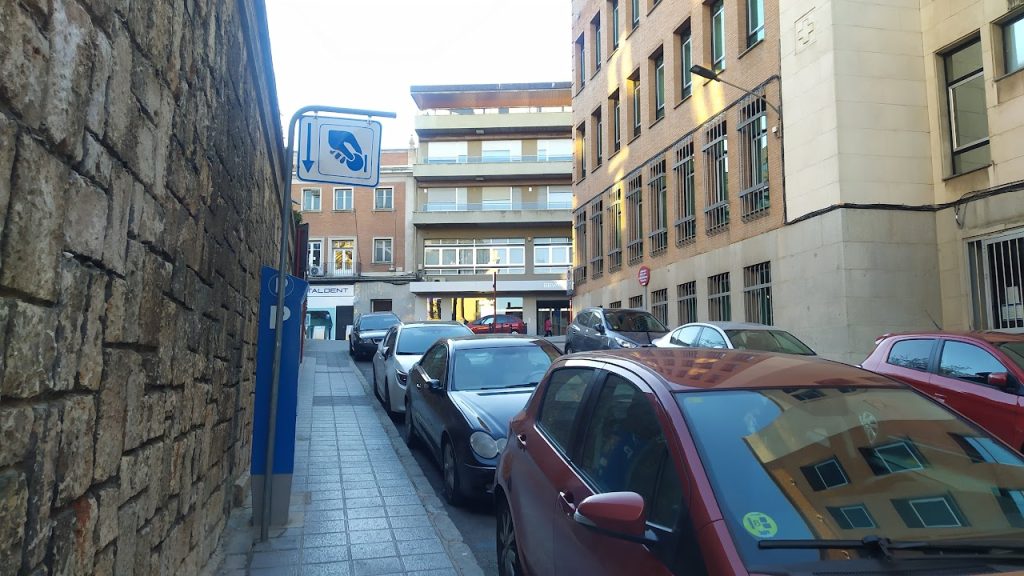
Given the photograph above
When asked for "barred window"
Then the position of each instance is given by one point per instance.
(635, 219)
(615, 216)
(634, 90)
(754, 143)
(581, 147)
(716, 178)
(597, 239)
(636, 301)
(616, 304)
(686, 201)
(580, 272)
(598, 140)
(659, 207)
(613, 105)
(757, 292)
(686, 299)
(659, 305)
(719, 306)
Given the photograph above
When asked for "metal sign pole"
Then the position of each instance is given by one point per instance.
(282, 270)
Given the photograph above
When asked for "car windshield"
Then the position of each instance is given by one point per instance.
(416, 339)
(768, 341)
(1015, 350)
(377, 322)
(633, 321)
(501, 367)
(845, 463)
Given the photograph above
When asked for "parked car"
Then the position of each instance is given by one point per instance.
(733, 335)
(401, 347)
(610, 328)
(368, 331)
(978, 374)
(498, 324)
(463, 393)
(663, 461)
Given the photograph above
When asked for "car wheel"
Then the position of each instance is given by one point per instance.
(387, 398)
(507, 545)
(515, 331)
(568, 348)
(408, 432)
(450, 468)
(376, 391)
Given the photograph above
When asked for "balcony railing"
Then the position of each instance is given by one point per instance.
(498, 159)
(503, 110)
(490, 206)
(329, 270)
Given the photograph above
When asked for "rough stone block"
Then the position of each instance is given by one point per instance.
(15, 422)
(68, 79)
(41, 480)
(23, 53)
(85, 220)
(32, 233)
(146, 220)
(108, 501)
(104, 562)
(120, 102)
(113, 326)
(128, 521)
(96, 162)
(75, 458)
(29, 358)
(8, 134)
(13, 508)
(116, 244)
(71, 298)
(122, 368)
(90, 357)
(99, 81)
(72, 547)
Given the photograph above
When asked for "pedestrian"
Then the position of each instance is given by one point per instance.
(547, 326)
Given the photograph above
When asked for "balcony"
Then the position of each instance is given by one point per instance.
(447, 213)
(478, 167)
(329, 270)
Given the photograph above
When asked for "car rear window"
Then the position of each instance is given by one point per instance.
(768, 341)
(914, 354)
(377, 322)
(416, 339)
(633, 321)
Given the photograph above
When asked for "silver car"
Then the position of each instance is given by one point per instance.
(741, 335)
(402, 346)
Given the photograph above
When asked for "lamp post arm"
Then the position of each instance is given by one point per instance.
(770, 105)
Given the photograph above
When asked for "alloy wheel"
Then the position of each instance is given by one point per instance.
(451, 476)
(508, 548)
(408, 432)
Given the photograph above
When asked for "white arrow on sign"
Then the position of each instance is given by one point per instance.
(339, 150)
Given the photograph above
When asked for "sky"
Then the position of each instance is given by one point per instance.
(367, 53)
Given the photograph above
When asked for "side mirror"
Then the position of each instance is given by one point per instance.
(616, 514)
(384, 351)
(433, 383)
(600, 329)
(998, 379)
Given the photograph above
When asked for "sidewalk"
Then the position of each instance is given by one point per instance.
(360, 504)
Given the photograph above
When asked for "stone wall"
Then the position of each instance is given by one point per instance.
(139, 155)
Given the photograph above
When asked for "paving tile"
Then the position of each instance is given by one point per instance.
(418, 533)
(363, 502)
(324, 515)
(281, 543)
(411, 510)
(374, 512)
(275, 571)
(369, 536)
(325, 526)
(361, 492)
(404, 500)
(376, 566)
(410, 522)
(336, 504)
(358, 484)
(326, 494)
(332, 569)
(324, 554)
(374, 550)
(441, 572)
(274, 558)
(426, 561)
(426, 546)
(321, 540)
(367, 524)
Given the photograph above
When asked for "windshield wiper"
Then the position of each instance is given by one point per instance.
(885, 547)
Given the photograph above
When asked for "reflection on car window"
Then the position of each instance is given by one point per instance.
(561, 403)
(851, 463)
(434, 362)
(1015, 350)
(768, 341)
(377, 322)
(686, 336)
(416, 339)
(624, 450)
(914, 354)
(710, 338)
(967, 362)
(633, 321)
(501, 367)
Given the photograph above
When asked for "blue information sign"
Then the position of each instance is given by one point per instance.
(287, 394)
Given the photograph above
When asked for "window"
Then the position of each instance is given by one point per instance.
(685, 62)
(996, 271)
(496, 198)
(716, 178)
(711, 338)
(624, 449)
(479, 256)
(1012, 504)
(552, 255)
(658, 65)
(659, 305)
(343, 253)
(967, 362)
(384, 305)
(382, 250)
(613, 104)
(315, 251)
(445, 199)
(614, 10)
(825, 475)
(984, 449)
(561, 404)
(615, 217)
(597, 239)
(659, 207)
(554, 150)
(447, 152)
(686, 299)
(719, 307)
(718, 36)
(936, 512)
(559, 198)
(914, 354)
(595, 121)
(636, 301)
(686, 336)
(899, 456)
(1013, 44)
(581, 146)
(343, 199)
(616, 304)
(501, 151)
(435, 361)
(754, 153)
(686, 200)
(635, 219)
(757, 292)
(634, 87)
(581, 246)
(581, 64)
(384, 199)
(634, 12)
(311, 199)
(968, 113)
(755, 22)
(595, 35)
(852, 517)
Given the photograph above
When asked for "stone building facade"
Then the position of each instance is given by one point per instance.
(140, 159)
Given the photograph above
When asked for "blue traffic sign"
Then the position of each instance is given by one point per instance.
(339, 150)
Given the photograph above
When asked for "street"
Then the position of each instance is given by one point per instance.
(475, 521)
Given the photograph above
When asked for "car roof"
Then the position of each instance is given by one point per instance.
(734, 325)
(420, 323)
(987, 335)
(493, 340)
(717, 369)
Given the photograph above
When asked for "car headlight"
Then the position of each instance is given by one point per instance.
(403, 377)
(484, 445)
(623, 342)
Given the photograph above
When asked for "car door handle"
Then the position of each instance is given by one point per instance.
(521, 440)
(566, 503)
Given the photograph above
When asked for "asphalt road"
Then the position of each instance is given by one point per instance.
(476, 521)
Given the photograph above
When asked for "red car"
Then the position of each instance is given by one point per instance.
(978, 374)
(661, 461)
(498, 324)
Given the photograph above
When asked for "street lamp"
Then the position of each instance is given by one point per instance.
(713, 76)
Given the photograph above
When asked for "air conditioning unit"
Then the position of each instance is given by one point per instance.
(316, 271)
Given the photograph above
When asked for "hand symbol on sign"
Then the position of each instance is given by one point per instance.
(345, 149)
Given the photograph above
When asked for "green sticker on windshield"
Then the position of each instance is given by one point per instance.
(760, 525)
